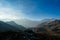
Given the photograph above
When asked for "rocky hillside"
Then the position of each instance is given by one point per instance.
(18, 35)
(26, 35)
(53, 26)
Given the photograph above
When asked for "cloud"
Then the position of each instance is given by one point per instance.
(10, 17)
(9, 14)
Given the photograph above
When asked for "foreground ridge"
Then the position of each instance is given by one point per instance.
(27, 35)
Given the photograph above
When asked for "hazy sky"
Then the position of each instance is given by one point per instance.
(31, 9)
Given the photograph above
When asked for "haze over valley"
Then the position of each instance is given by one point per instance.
(29, 19)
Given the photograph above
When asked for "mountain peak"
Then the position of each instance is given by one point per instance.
(6, 27)
(12, 22)
(16, 25)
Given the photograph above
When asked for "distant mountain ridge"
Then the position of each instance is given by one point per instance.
(31, 23)
(27, 23)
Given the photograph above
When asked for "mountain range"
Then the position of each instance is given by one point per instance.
(25, 23)
(10, 27)
(45, 30)
(6, 27)
(52, 26)
(16, 25)
(31, 23)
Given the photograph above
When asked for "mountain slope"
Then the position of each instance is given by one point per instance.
(6, 27)
(16, 25)
(53, 26)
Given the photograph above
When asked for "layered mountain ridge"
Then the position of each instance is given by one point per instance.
(31, 23)
(7, 27)
(52, 26)
(16, 25)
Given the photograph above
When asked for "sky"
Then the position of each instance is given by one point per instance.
(30, 9)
